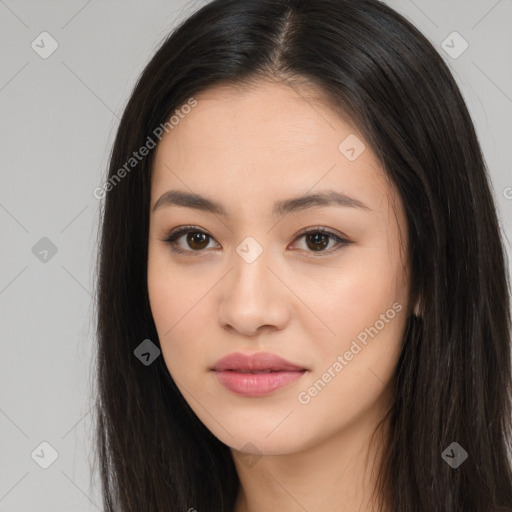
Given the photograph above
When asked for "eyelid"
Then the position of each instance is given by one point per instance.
(341, 239)
(177, 233)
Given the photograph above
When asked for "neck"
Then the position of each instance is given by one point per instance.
(338, 473)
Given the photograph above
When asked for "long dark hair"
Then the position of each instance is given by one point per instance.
(453, 379)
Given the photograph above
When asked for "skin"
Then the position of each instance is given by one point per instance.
(247, 148)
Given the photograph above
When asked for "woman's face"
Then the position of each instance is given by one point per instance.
(248, 280)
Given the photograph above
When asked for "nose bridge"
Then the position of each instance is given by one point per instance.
(251, 295)
(250, 261)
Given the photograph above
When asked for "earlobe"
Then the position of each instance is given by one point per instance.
(416, 310)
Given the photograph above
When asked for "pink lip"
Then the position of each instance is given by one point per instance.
(229, 372)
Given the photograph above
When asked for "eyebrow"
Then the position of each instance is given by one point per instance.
(198, 202)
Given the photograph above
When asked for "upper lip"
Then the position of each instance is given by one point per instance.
(255, 362)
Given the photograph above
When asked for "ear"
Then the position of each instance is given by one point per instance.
(416, 310)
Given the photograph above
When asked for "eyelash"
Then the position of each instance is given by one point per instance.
(179, 232)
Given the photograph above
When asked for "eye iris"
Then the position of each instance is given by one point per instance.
(314, 238)
(194, 238)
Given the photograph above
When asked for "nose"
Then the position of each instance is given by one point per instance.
(254, 297)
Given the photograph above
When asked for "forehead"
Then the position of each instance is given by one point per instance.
(262, 116)
(268, 139)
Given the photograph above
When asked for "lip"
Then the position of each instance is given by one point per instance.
(272, 373)
(259, 361)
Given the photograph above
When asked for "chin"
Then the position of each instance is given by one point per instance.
(262, 437)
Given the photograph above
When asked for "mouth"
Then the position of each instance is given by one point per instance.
(252, 383)
(256, 374)
(238, 370)
(258, 362)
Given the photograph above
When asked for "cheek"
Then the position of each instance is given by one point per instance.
(366, 316)
(178, 305)
(354, 366)
(355, 296)
(173, 291)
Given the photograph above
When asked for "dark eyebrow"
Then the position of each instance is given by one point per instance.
(198, 202)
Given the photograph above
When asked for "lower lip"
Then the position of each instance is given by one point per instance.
(257, 384)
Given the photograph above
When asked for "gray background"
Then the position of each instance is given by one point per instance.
(58, 121)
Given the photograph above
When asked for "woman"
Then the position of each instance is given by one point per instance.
(302, 295)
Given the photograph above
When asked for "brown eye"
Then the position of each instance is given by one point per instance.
(196, 240)
(317, 241)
